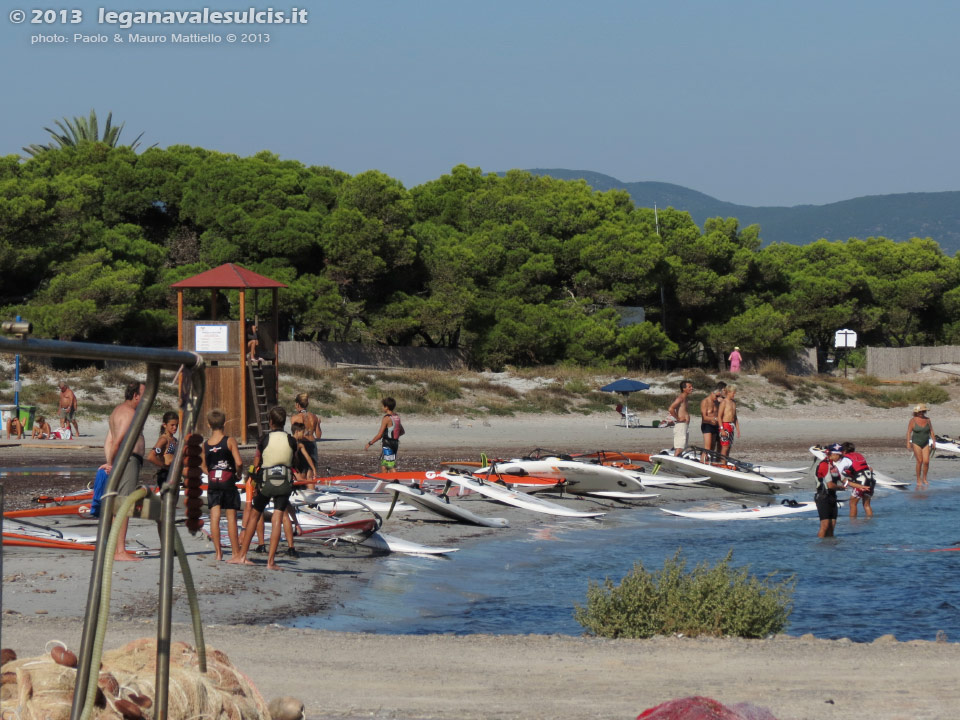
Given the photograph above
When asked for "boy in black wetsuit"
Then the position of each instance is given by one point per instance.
(222, 465)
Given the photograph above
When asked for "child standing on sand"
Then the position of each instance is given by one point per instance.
(222, 464)
(388, 434)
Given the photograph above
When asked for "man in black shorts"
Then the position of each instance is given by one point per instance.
(829, 481)
(275, 450)
(710, 421)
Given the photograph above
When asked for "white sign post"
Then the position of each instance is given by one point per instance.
(845, 339)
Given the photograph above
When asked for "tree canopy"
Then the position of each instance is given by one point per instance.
(518, 269)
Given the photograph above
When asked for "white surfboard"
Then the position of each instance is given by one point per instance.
(517, 499)
(443, 506)
(883, 480)
(753, 513)
(733, 480)
(581, 478)
(338, 503)
(389, 543)
(666, 480)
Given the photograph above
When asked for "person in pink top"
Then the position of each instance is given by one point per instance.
(735, 360)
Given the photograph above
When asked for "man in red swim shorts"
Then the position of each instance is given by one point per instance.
(727, 414)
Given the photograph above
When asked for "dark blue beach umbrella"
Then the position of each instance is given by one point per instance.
(625, 386)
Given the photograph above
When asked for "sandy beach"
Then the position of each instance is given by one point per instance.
(484, 676)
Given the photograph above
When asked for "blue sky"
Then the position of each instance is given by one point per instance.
(757, 103)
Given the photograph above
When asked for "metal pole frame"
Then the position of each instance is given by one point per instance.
(155, 358)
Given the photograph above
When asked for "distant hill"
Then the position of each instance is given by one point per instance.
(898, 217)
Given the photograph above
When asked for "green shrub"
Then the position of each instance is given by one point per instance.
(304, 372)
(924, 392)
(545, 400)
(698, 377)
(714, 601)
(776, 373)
(578, 387)
(356, 405)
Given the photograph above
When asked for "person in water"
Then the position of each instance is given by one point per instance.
(859, 476)
(920, 439)
(829, 481)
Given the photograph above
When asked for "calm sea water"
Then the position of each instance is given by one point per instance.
(877, 576)
(885, 575)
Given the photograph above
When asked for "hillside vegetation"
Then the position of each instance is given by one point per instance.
(516, 270)
(902, 216)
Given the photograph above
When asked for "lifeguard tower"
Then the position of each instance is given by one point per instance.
(244, 390)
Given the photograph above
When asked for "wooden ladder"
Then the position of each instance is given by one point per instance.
(258, 388)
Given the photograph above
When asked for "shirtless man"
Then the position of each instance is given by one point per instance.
(709, 424)
(311, 424)
(728, 419)
(68, 409)
(678, 408)
(117, 427)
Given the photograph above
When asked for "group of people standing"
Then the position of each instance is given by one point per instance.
(718, 419)
(281, 458)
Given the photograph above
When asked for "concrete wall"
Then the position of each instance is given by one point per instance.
(803, 362)
(891, 362)
(333, 354)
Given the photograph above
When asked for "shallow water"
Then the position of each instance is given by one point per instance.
(877, 576)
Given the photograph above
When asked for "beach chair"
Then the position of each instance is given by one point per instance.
(627, 418)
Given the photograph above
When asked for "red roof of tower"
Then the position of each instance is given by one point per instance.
(228, 276)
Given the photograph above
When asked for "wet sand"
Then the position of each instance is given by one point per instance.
(482, 676)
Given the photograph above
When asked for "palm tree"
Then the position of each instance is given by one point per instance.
(79, 130)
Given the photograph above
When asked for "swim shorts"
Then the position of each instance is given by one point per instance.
(280, 502)
(827, 507)
(681, 433)
(130, 480)
(726, 434)
(228, 499)
(708, 428)
(67, 414)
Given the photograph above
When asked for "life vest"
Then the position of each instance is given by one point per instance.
(823, 477)
(859, 471)
(396, 429)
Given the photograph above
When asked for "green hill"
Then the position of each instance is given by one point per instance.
(898, 217)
